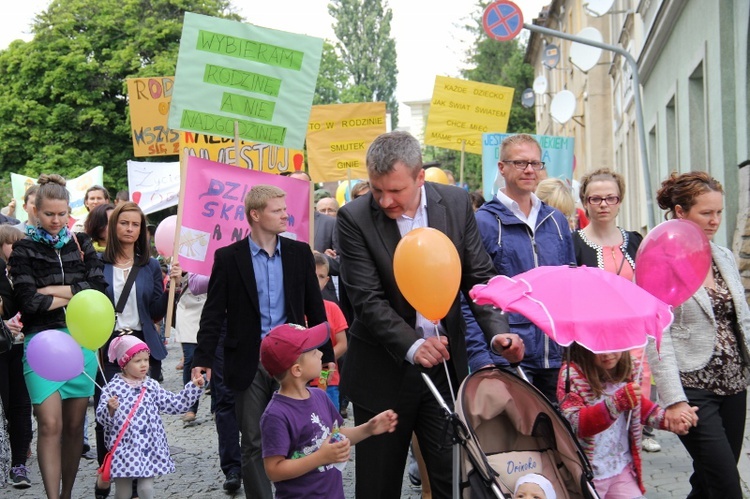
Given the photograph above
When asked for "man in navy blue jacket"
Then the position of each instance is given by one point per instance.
(521, 232)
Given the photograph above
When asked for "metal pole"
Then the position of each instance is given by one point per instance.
(636, 94)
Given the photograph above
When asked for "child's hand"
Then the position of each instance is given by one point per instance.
(688, 419)
(337, 452)
(690, 416)
(112, 405)
(198, 380)
(627, 397)
(385, 422)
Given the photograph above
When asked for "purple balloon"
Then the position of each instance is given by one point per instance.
(55, 355)
(673, 260)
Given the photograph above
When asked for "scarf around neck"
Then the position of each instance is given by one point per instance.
(42, 236)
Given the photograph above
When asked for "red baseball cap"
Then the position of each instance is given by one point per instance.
(283, 345)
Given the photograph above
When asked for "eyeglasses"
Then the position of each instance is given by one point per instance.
(610, 200)
(521, 164)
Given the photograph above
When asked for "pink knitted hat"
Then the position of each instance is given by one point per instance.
(123, 348)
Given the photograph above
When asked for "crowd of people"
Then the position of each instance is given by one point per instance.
(275, 320)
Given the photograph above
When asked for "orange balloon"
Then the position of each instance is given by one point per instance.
(428, 271)
(435, 174)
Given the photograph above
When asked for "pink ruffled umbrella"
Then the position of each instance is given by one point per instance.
(597, 309)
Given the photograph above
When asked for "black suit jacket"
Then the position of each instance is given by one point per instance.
(233, 295)
(383, 327)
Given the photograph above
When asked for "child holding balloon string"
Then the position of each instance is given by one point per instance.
(597, 393)
(135, 399)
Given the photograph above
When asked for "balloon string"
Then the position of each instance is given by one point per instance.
(92, 380)
(101, 369)
(445, 365)
(637, 377)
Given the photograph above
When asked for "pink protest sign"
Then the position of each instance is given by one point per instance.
(214, 209)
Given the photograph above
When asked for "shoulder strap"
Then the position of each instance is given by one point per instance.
(127, 420)
(126, 288)
(80, 251)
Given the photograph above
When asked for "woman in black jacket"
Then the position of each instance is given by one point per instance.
(47, 268)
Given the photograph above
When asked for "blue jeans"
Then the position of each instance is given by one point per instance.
(333, 394)
(187, 352)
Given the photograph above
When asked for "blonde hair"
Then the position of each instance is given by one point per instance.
(556, 193)
(518, 139)
(258, 197)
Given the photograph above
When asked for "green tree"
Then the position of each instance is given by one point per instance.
(502, 63)
(368, 52)
(331, 77)
(63, 108)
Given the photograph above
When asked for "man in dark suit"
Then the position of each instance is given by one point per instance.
(256, 284)
(390, 342)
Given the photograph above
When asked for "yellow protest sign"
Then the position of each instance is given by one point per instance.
(149, 100)
(338, 136)
(462, 110)
(254, 156)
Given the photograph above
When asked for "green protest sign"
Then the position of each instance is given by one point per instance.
(260, 78)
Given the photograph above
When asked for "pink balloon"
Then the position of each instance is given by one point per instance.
(55, 355)
(165, 234)
(673, 260)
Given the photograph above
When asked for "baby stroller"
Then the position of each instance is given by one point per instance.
(505, 428)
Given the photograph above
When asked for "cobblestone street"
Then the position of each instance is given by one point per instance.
(198, 475)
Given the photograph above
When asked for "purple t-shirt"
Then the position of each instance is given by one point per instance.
(295, 428)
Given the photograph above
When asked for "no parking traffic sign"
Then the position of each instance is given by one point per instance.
(502, 20)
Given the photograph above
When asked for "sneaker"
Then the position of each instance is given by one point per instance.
(233, 481)
(650, 445)
(19, 477)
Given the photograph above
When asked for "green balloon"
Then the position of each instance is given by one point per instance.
(90, 318)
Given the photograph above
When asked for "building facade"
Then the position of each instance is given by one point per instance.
(693, 65)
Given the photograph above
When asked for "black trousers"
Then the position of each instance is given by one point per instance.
(715, 444)
(16, 403)
(380, 460)
(222, 405)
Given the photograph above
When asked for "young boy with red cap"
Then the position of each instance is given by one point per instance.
(301, 428)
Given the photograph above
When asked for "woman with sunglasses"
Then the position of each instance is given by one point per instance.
(604, 244)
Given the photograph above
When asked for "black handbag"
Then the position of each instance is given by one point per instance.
(6, 337)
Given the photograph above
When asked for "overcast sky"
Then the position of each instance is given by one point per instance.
(430, 39)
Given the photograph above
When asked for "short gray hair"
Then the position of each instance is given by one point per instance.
(390, 148)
